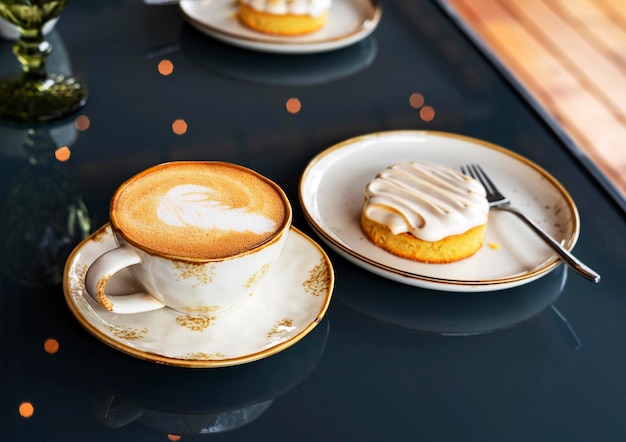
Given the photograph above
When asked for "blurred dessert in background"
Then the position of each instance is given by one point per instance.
(284, 17)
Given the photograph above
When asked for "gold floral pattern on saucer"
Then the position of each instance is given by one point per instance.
(128, 333)
(280, 327)
(318, 279)
(289, 303)
(195, 323)
(203, 356)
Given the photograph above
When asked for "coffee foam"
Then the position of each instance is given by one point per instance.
(198, 210)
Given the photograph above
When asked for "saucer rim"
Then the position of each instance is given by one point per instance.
(190, 363)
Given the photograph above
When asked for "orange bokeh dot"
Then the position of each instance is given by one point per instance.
(173, 437)
(427, 113)
(293, 105)
(82, 122)
(26, 409)
(51, 346)
(416, 100)
(166, 67)
(179, 127)
(62, 153)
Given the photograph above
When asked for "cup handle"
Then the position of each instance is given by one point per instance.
(103, 268)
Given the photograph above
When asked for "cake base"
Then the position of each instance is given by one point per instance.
(286, 25)
(450, 249)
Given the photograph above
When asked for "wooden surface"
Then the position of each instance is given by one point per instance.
(571, 56)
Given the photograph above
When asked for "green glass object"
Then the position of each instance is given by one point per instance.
(36, 95)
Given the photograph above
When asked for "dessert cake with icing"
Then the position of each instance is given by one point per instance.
(284, 17)
(425, 212)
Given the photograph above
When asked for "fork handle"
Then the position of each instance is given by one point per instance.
(565, 255)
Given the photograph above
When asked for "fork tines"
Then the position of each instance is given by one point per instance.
(476, 172)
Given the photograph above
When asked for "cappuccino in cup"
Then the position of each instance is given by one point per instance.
(198, 236)
(198, 210)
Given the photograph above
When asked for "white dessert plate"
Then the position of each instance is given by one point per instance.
(291, 301)
(332, 192)
(349, 21)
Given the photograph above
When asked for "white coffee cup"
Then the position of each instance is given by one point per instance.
(198, 236)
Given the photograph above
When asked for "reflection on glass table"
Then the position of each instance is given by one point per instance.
(456, 313)
(271, 69)
(201, 401)
(43, 215)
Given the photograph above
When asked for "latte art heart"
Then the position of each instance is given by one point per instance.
(191, 205)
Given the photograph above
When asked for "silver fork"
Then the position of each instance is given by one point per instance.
(499, 201)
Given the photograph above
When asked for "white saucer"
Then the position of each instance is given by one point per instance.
(331, 194)
(349, 21)
(290, 303)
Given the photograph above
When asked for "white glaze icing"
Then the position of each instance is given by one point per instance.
(429, 201)
(313, 8)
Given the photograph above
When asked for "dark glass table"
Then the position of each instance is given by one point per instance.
(540, 362)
